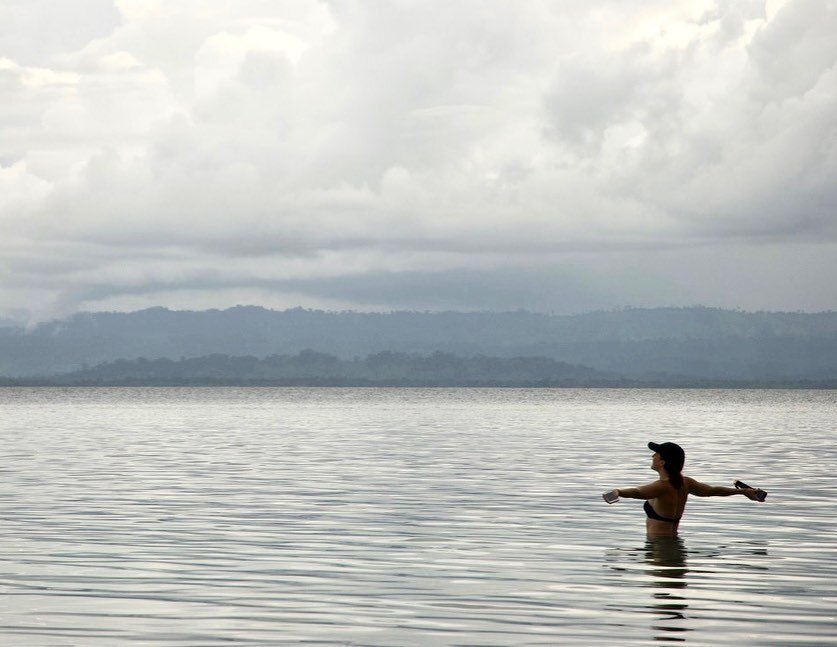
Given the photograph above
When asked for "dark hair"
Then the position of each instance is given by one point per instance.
(675, 477)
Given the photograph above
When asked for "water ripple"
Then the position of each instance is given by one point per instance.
(409, 517)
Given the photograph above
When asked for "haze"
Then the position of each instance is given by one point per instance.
(469, 155)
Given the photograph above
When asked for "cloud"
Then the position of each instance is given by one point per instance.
(35, 30)
(187, 145)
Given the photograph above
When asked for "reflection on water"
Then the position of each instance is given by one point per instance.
(661, 566)
(407, 517)
(666, 559)
(680, 589)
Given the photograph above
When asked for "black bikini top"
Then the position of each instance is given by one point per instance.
(652, 514)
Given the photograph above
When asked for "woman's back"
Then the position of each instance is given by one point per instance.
(671, 501)
(665, 510)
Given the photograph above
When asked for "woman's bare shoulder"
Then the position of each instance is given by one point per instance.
(653, 489)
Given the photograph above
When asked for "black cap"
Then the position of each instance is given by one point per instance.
(671, 453)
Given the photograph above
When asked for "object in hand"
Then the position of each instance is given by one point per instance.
(761, 495)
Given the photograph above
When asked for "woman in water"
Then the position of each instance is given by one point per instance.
(665, 498)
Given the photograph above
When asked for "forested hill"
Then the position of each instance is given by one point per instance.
(697, 342)
(313, 368)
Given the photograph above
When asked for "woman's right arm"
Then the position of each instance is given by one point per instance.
(650, 491)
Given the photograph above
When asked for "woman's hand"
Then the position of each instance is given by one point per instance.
(752, 494)
(611, 496)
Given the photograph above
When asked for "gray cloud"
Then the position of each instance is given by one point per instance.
(330, 150)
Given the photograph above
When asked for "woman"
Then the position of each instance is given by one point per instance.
(665, 498)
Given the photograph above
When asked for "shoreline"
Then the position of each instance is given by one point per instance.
(796, 385)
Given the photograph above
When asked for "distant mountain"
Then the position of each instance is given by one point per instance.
(313, 368)
(698, 342)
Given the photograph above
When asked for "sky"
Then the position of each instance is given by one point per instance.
(380, 155)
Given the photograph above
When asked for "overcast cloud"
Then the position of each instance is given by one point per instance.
(558, 156)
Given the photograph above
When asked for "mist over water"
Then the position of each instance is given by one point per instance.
(187, 516)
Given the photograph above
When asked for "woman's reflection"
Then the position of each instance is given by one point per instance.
(666, 558)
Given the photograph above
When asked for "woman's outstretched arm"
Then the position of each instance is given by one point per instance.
(649, 491)
(702, 489)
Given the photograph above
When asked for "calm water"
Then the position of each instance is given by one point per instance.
(410, 517)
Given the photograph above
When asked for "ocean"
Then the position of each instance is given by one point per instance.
(269, 516)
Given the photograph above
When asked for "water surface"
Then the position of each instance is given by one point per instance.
(211, 516)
